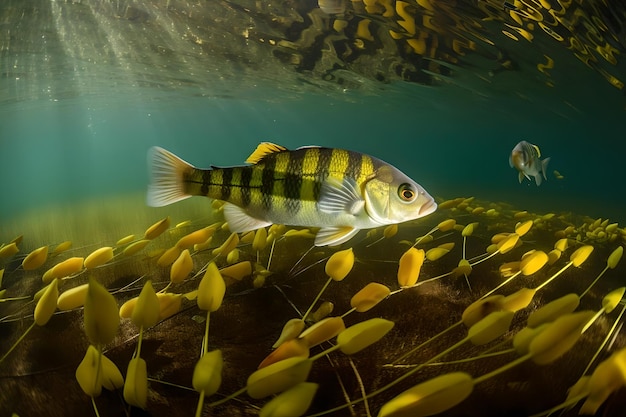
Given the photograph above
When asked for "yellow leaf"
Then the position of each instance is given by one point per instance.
(446, 225)
(340, 264)
(136, 385)
(370, 295)
(135, 247)
(35, 259)
(435, 253)
(361, 335)
(101, 314)
(278, 377)
(112, 378)
(237, 271)
(228, 245)
(169, 304)
(523, 338)
(88, 374)
(523, 227)
(156, 229)
(518, 300)
(615, 257)
(558, 337)
(47, 303)
(580, 255)
(323, 330)
(292, 403)
(211, 289)
(291, 330)
(9, 250)
(431, 397)
(146, 311)
(181, 268)
(612, 299)
(290, 349)
(508, 244)
(125, 240)
(409, 267)
(207, 374)
(481, 308)
(533, 262)
(99, 257)
(553, 310)
(169, 256)
(490, 328)
(195, 238)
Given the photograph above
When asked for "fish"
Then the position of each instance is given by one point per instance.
(525, 158)
(338, 191)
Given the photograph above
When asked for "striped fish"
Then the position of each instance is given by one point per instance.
(525, 158)
(339, 191)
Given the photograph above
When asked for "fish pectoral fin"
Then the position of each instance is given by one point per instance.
(239, 221)
(340, 197)
(167, 183)
(264, 149)
(333, 236)
(520, 176)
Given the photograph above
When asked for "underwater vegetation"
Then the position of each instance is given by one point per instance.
(477, 309)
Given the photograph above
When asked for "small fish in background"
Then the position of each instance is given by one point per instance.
(339, 191)
(558, 175)
(332, 6)
(525, 158)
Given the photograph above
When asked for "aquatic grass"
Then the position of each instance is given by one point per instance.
(362, 301)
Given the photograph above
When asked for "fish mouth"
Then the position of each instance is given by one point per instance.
(427, 208)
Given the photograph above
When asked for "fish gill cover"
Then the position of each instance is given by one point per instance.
(481, 308)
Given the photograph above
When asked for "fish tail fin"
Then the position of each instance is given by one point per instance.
(167, 177)
(544, 167)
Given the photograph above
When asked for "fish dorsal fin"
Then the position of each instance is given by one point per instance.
(340, 197)
(264, 149)
(538, 151)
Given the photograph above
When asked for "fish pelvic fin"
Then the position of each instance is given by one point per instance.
(520, 176)
(334, 236)
(167, 173)
(538, 179)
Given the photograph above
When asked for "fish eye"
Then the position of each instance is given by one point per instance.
(406, 192)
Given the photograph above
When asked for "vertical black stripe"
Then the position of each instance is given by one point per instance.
(293, 181)
(267, 182)
(323, 163)
(354, 165)
(227, 176)
(246, 176)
